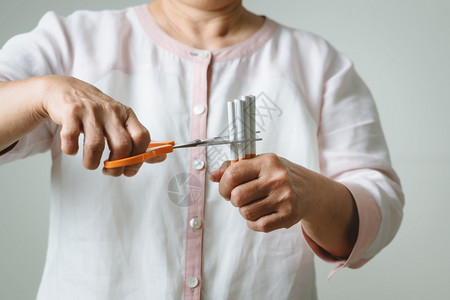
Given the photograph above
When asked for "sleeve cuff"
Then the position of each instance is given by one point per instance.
(6, 150)
(369, 224)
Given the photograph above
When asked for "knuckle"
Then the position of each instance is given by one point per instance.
(272, 158)
(279, 177)
(116, 107)
(95, 145)
(130, 113)
(283, 175)
(142, 133)
(236, 197)
(128, 110)
(284, 201)
(111, 106)
(232, 171)
(142, 137)
(123, 148)
(72, 108)
(108, 106)
(287, 194)
(264, 225)
(245, 213)
(223, 189)
(69, 135)
(94, 108)
(288, 210)
(78, 93)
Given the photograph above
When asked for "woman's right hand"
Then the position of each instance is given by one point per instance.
(79, 107)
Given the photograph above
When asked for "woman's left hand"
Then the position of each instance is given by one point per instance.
(272, 192)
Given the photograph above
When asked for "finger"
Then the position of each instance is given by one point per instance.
(236, 174)
(94, 144)
(133, 169)
(70, 132)
(130, 171)
(157, 159)
(267, 223)
(257, 209)
(216, 175)
(119, 143)
(140, 138)
(250, 191)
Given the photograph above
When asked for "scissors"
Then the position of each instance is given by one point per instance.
(160, 148)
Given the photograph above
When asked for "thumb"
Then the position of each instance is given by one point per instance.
(216, 175)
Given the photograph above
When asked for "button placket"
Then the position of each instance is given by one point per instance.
(194, 233)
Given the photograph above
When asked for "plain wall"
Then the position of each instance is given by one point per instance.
(400, 47)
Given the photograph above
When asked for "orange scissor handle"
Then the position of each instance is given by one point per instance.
(154, 149)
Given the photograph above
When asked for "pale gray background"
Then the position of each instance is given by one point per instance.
(400, 47)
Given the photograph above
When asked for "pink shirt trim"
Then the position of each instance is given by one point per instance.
(245, 48)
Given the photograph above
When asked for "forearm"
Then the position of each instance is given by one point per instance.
(20, 108)
(333, 222)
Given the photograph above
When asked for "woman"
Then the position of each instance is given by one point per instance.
(169, 67)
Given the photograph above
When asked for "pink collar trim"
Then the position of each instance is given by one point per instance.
(245, 48)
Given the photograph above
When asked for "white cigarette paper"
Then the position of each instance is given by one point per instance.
(232, 132)
(247, 127)
(240, 126)
(252, 110)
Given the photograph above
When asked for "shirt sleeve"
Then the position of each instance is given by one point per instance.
(43, 51)
(353, 151)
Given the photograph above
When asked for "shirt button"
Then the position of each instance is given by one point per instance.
(199, 109)
(195, 223)
(203, 54)
(192, 282)
(199, 164)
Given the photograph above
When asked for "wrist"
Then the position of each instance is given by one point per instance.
(22, 108)
(332, 221)
(42, 86)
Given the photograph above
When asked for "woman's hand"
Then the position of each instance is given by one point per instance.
(79, 107)
(272, 193)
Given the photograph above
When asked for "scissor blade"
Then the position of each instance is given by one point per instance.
(213, 142)
(199, 143)
(190, 144)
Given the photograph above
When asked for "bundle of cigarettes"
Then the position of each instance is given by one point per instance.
(242, 128)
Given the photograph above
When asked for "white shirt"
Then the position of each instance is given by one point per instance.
(166, 233)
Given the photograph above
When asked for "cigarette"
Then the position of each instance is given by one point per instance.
(240, 126)
(247, 126)
(232, 131)
(252, 110)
